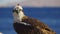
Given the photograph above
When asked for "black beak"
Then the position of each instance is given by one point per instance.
(15, 11)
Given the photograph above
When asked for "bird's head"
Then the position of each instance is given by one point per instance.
(17, 9)
(18, 12)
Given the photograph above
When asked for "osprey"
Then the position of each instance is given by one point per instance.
(26, 25)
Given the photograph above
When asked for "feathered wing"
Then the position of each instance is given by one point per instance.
(39, 25)
(22, 28)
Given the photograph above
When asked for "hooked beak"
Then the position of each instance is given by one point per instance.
(17, 10)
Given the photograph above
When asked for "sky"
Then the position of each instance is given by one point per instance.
(30, 3)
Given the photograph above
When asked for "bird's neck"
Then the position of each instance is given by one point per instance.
(21, 15)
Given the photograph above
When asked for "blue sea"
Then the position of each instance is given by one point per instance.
(47, 15)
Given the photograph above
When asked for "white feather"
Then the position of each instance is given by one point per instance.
(25, 23)
(21, 15)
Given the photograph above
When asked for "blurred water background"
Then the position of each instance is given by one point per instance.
(48, 15)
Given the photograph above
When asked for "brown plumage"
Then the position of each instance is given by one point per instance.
(39, 25)
(26, 25)
(36, 27)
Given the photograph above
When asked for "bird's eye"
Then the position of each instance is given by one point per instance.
(15, 11)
